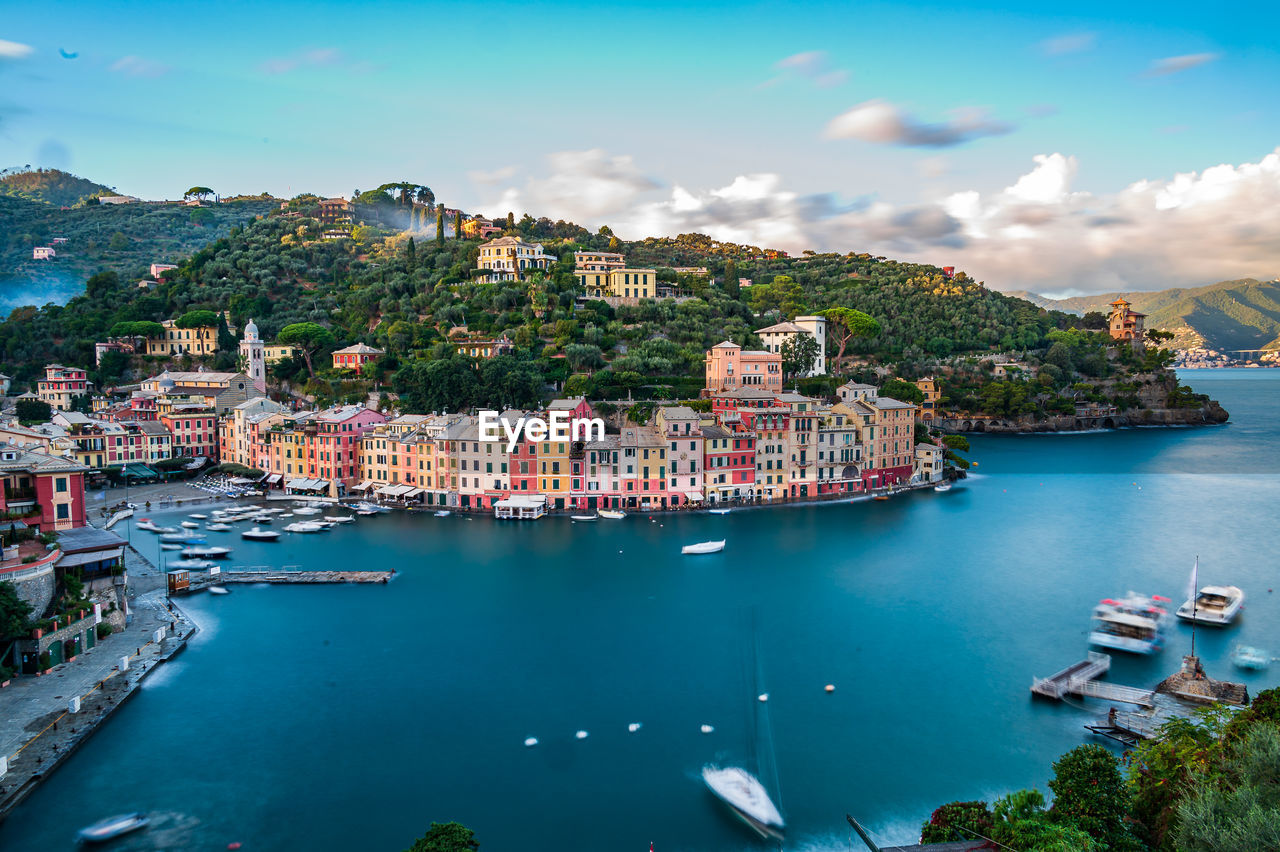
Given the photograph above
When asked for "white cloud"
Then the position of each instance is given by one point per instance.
(14, 50)
(1038, 233)
(492, 176)
(136, 66)
(1174, 64)
(1068, 43)
(316, 57)
(885, 123)
(812, 65)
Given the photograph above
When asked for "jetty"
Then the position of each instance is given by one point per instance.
(1060, 683)
(184, 581)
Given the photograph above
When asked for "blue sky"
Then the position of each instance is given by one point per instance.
(644, 116)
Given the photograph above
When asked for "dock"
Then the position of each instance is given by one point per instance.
(199, 582)
(1059, 684)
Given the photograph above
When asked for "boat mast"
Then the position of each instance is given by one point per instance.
(1195, 596)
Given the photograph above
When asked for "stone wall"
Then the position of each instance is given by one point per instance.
(34, 585)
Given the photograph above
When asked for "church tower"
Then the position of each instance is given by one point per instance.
(253, 354)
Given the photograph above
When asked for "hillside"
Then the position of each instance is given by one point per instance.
(1226, 316)
(126, 238)
(50, 186)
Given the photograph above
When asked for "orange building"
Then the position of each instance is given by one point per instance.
(1124, 323)
(355, 357)
(730, 367)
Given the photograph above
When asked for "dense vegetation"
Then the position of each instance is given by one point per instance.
(408, 292)
(1207, 784)
(50, 186)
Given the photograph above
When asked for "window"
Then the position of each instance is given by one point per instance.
(60, 485)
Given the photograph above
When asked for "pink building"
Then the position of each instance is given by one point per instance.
(355, 357)
(194, 431)
(730, 367)
(332, 441)
(729, 462)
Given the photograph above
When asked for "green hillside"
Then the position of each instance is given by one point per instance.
(50, 186)
(1229, 315)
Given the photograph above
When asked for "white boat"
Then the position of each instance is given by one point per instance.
(720, 511)
(257, 534)
(339, 519)
(198, 517)
(443, 513)
(703, 547)
(219, 590)
(192, 564)
(1214, 605)
(746, 797)
(306, 510)
(611, 515)
(945, 486)
(582, 517)
(217, 527)
(206, 552)
(260, 519)
(1253, 659)
(187, 537)
(170, 547)
(304, 527)
(112, 827)
(145, 524)
(191, 525)
(1134, 623)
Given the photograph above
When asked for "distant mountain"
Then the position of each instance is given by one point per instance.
(1229, 315)
(51, 186)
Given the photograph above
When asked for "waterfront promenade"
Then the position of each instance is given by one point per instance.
(37, 729)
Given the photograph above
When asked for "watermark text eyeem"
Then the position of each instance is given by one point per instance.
(560, 427)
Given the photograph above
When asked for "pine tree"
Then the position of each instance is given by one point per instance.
(457, 225)
(410, 255)
(511, 221)
(440, 224)
(731, 287)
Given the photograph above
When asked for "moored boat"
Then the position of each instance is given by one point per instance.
(217, 527)
(193, 564)
(339, 519)
(257, 534)
(197, 516)
(1248, 657)
(1134, 623)
(206, 552)
(582, 517)
(187, 537)
(305, 527)
(112, 827)
(443, 513)
(720, 511)
(610, 514)
(219, 590)
(191, 525)
(942, 487)
(1213, 605)
(170, 547)
(306, 510)
(703, 547)
(746, 797)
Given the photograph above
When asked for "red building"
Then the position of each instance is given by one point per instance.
(355, 357)
(523, 464)
(41, 490)
(728, 462)
(194, 431)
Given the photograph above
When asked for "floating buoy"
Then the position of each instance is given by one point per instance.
(582, 735)
(634, 726)
(763, 697)
(831, 687)
(706, 729)
(531, 742)
(235, 845)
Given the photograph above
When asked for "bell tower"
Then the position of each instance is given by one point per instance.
(253, 354)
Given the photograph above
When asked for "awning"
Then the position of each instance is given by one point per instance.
(296, 483)
(71, 560)
(139, 471)
(416, 492)
(363, 486)
(274, 478)
(520, 501)
(694, 496)
(195, 463)
(12, 525)
(240, 480)
(395, 490)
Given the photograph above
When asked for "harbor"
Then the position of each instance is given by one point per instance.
(493, 633)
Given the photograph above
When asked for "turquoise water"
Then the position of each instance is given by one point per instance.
(352, 717)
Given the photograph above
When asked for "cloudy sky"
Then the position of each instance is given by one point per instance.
(1089, 147)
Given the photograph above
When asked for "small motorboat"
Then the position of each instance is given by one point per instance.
(942, 487)
(206, 552)
(443, 513)
(170, 547)
(219, 590)
(305, 527)
(112, 827)
(306, 510)
(746, 797)
(610, 514)
(191, 525)
(1134, 623)
(881, 497)
(720, 511)
(340, 519)
(145, 524)
(198, 517)
(162, 530)
(183, 537)
(1213, 605)
(1248, 657)
(259, 534)
(582, 517)
(217, 527)
(703, 547)
(193, 564)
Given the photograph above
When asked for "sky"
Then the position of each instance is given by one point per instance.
(1067, 149)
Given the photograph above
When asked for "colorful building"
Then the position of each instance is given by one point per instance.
(1124, 323)
(681, 427)
(61, 386)
(509, 258)
(355, 357)
(774, 337)
(730, 367)
(41, 490)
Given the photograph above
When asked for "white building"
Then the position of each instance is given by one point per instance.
(43, 253)
(776, 335)
(254, 358)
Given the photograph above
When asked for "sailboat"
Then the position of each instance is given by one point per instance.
(741, 791)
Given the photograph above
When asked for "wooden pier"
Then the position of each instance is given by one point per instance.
(1059, 684)
(199, 582)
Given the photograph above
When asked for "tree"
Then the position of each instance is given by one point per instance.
(446, 837)
(511, 221)
(844, 324)
(457, 225)
(783, 294)
(309, 337)
(202, 216)
(732, 288)
(101, 283)
(1240, 807)
(32, 411)
(111, 367)
(1156, 335)
(141, 328)
(799, 354)
(197, 319)
(200, 192)
(440, 225)
(902, 391)
(410, 255)
(1095, 320)
(14, 612)
(1089, 794)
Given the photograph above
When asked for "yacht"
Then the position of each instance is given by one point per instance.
(306, 510)
(746, 797)
(112, 827)
(217, 526)
(206, 552)
(1135, 623)
(191, 525)
(258, 534)
(1215, 605)
(703, 547)
(339, 519)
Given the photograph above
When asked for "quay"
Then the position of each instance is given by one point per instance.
(181, 582)
(1082, 679)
